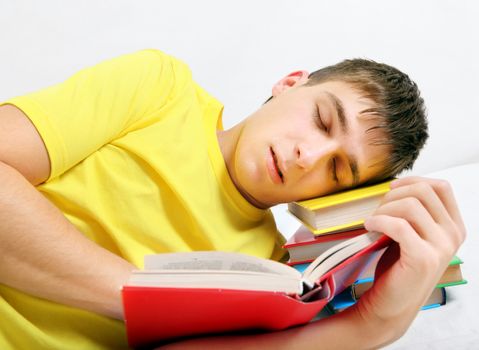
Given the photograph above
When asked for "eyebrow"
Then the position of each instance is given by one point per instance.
(343, 122)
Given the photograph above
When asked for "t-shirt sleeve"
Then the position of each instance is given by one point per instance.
(101, 103)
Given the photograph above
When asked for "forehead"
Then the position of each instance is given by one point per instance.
(346, 92)
(372, 152)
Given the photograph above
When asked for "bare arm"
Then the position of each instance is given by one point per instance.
(42, 252)
(341, 331)
(422, 217)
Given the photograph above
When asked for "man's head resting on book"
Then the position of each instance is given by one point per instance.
(354, 123)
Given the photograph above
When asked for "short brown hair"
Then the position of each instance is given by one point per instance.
(399, 108)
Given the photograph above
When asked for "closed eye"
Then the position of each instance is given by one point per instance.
(334, 171)
(319, 121)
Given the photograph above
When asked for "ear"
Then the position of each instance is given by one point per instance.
(292, 79)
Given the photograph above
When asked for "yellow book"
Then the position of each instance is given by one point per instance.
(339, 211)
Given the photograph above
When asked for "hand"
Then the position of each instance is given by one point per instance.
(422, 217)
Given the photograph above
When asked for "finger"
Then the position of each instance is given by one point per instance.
(412, 211)
(398, 229)
(444, 191)
(424, 192)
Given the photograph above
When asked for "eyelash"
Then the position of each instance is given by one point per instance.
(323, 127)
(333, 171)
(319, 121)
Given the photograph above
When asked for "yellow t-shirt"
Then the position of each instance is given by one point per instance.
(136, 167)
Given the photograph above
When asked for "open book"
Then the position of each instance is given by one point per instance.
(196, 293)
(212, 269)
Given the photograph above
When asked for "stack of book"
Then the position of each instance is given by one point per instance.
(328, 221)
(451, 277)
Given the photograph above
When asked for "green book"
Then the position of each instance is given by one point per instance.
(451, 277)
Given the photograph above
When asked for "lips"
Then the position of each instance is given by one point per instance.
(274, 170)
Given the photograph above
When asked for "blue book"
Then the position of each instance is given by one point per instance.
(345, 299)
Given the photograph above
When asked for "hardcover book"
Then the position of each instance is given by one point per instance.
(346, 299)
(452, 276)
(188, 294)
(304, 246)
(340, 211)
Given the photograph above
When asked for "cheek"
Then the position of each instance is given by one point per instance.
(314, 185)
(245, 166)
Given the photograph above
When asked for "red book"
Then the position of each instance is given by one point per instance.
(172, 298)
(304, 246)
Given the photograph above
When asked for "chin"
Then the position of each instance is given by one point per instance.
(267, 201)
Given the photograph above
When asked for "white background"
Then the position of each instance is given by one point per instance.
(238, 49)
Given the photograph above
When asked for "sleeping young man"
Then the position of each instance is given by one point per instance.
(129, 158)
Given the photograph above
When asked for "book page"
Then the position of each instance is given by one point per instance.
(331, 251)
(222, 279)
(337, 254)
(214, 260)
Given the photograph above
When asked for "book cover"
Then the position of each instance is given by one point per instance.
(341, 302)
(340, 211)
(453, 274)
(346, 299)
(156, 314)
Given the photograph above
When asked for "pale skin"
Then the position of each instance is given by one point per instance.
(421, 215)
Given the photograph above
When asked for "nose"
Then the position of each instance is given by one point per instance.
(310, 154)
